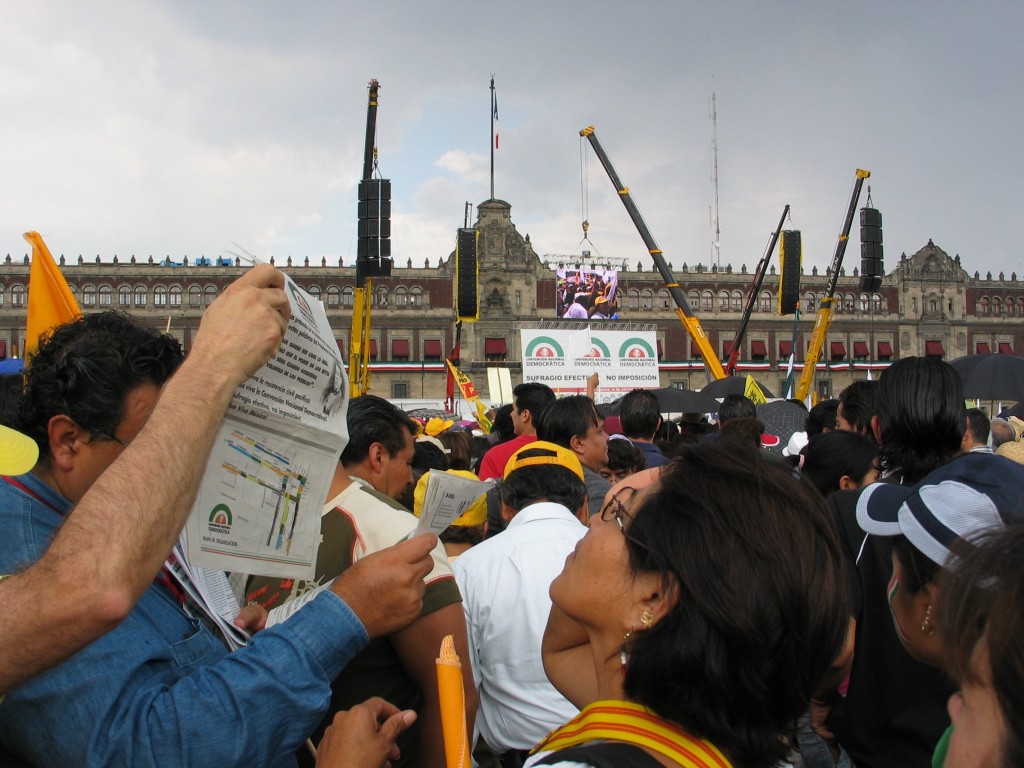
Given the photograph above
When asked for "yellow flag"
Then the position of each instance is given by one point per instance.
(481, 418)
(753, 391)
(50, 301)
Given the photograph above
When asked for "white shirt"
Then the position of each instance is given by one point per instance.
(504, 583)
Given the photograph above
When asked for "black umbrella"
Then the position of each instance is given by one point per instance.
(672, 400)
(991, 376)
(782, 418)
(732, 385)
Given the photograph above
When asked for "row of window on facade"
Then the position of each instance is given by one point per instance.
(734, 301)
(999, 307)
(201, 296)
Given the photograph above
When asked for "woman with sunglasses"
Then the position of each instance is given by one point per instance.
(696, 618)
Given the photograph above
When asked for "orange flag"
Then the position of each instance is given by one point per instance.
(50, 301)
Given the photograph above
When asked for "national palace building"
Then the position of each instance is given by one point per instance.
(928, 304)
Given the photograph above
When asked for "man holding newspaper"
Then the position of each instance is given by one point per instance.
(161, 688)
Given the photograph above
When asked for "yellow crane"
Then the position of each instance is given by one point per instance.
(683, 310)
(824, 316)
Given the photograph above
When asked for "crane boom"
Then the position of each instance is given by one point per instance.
(824, 316)
(683, 310)
(755, 288)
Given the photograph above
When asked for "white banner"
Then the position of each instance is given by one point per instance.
(564, 360)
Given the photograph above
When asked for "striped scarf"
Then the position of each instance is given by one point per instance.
(633, 724)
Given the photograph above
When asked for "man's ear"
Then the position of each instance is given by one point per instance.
(847, 483)
(64, 438)
(526, 416)
(583, 513)
(876, 430)
(507, 513)
(376, 454)
(576, 445)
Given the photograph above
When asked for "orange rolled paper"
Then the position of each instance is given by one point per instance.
(453, 706)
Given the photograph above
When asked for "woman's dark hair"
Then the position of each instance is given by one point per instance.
(744, 429)
(502, 426)
(457, 444)
(921, 416)
(981, 599)
(85, 370)
(761, 609)
(623, 456)
(858, 404)
(830, 455)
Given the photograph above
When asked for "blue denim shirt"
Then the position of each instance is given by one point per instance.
(161, 689)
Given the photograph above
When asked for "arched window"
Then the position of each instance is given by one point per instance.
(2, 291)
(195, 296)
(865, 302)
(809, 302)
(633, 300)
(647, 300)
(766, 301)
(382, 296)
(693, 297)
(209, 294)
(736, 301)
(106, 295)
(982, 306)
(175, 294)
(723, 301)
(314, 291)
(401, 297)
(124, 296)
(848, 303)
(140, 295)
(707, 301)
(347, 297)
(160, 296)
(664, 300)
(18, 296)
(997, 306)
(876, 302)
(416, 296)
(333, 296)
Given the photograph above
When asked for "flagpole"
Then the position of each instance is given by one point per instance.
(494, 115)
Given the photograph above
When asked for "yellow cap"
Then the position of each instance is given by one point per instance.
(546, 453)
(475, 514)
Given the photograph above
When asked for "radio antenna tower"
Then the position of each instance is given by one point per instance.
(716, 244)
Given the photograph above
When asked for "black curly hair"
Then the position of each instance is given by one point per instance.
(85, 370)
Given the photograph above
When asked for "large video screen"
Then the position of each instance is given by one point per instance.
(587, 294)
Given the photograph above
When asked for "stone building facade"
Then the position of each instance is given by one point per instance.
(927, 305)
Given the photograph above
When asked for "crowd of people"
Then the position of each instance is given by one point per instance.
(626, 591)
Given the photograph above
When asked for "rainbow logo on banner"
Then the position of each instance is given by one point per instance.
(544, 346)
(636, 348)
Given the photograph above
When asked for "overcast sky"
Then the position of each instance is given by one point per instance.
(180, 128)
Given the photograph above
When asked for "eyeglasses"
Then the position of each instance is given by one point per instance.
(615, 508)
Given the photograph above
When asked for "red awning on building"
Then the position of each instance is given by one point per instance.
(1005, 348)
(758, 350)
(373, 347)
(982, 348)
(785, 349)
(727, 349)
(694, 349)
(838, 350)
(661, 352)
(3, 349)
(432, 349)
(495, 347)
(341, 347)
(860, 349)
(399, 348)
(934, 349)
(884, 350)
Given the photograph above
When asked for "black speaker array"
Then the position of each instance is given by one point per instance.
(871, 268)
(467, 298)
(373, 248)
(790, 254)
